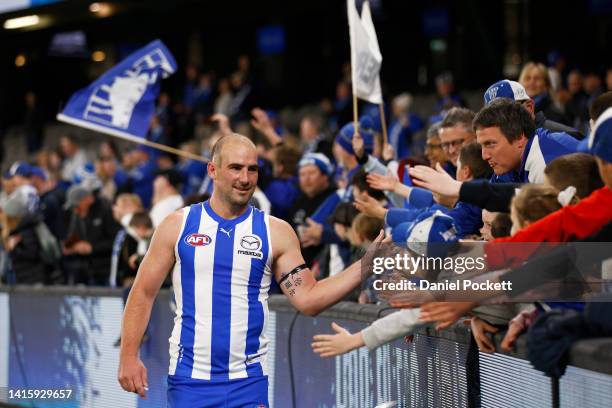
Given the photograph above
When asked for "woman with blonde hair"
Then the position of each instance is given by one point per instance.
(536, 80)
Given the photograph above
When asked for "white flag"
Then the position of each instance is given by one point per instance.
(366, 58)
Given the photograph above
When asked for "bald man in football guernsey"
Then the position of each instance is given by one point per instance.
(223, 254)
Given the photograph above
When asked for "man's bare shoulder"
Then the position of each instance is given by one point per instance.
(282, 235)
(280, 227)
(285, 245)
(173, 219)
(170, 228)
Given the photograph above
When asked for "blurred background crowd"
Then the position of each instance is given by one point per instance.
(87, 193)
(79, 208)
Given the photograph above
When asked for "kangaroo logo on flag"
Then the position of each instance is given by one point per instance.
(122, 101)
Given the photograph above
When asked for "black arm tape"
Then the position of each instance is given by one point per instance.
(295, 270)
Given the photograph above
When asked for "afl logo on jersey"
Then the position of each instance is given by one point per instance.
(197, 240)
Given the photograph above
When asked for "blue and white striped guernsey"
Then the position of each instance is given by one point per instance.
(221, 280)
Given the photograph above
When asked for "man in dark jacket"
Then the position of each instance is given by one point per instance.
(24, 249)
(28, 242)
(315, 171)
(89, 243)
(52, 198)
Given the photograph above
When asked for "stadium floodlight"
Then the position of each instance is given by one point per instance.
(101, 9)
(98, 56)
(21, 22)
(20, 60)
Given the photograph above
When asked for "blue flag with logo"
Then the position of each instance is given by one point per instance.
(122, 101)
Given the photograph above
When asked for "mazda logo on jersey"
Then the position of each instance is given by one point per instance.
(198, 240)
(250, 242)
(251, 245)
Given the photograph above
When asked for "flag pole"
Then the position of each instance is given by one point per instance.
(130, 138)
(355, 114)
(383, 123)
(168, 149)
(349, 4)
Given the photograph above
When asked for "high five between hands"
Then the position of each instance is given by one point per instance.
(437, 180)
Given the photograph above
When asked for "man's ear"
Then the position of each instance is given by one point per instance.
(522, 141)
(212, 170)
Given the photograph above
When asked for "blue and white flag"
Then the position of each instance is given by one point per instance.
(122, 101)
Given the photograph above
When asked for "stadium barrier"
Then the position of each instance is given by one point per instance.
(64, 338)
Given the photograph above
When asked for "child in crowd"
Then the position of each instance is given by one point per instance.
(535, 201)
(487, 222)
(339, 253)
(495, 225)
(501, 226)
(342, 220)
(126, 204)
(576, 169)
(362, 189)
(363, 232)
(134, 247)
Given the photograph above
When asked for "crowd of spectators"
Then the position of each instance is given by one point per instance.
(67, 219)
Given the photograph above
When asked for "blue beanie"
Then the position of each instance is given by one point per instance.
(345, 137)
(38, 172)
(319, 160)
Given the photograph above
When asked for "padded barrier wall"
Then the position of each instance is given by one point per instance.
(64, 338)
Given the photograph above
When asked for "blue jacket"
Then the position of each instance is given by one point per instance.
(282, 194)
(325, 210)
(192, 175)
(467, 217)
(420, 198)
(142, 181)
